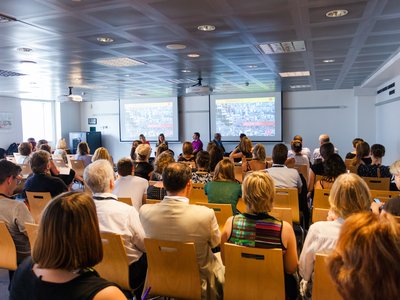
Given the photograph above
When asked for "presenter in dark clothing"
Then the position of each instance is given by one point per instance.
(217, 141)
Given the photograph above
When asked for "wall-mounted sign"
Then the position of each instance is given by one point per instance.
(92, 121)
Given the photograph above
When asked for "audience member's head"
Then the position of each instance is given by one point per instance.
(45, 147)
(365, 263)
(296, 146)
(245, 145)
(69, 235)
(196, 135)
(242, 135)
(143, 152)
(41, 142)
(258, 192)
(99, 176)
(395, 170)
(334, 166)
(324, 138)
(163, 160)
(83, 148)
(101, 153)
(25, 149)
(176, 177)
(217, 136)
(187, 148)
(203, 160)
(161, 138)
(142, 139)
(259, 152)
(349, 194)
(279, 154)
(298, 138)
(326, 150)
(125, 167)
(161, 148)
(61, 144)
(32, 141)
(392, 206)
(216, 155)
(362, 150)
(40, 162)
(356, 141)
(224, 171)
(377, 151)
(9, 177)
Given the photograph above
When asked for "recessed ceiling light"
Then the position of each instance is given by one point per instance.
(24, 49)
(185, 71)
(295, 74)
(283, 47)
(176, 46)
(252, 66)
(300, 86)
(337, 13)
(120, 62)
(193, 55)
(206, 27)
(326, 79)
(105, 39)
(328, 61)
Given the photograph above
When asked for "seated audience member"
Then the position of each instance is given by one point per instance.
(349, 194)
(323, 139)
(174, 219)
(67, 248)
(161, 140)
(395, 171)
(391, 206)
(299, 158)
(142, 166)
(157, 190)
(304, 151)
(224, 188)
(61, 150)
(41, 181)
(40, 143)
(83, 153)
(130, 186)
(326, 150)
(202, 174)
(102, 153)
(333, 167)
(352, 154)
(362, 155)
(161, 148)
(243, 150)
(197, 144)
(32, 141)
(135, 143)
(216, 155)
(217, 141)
(187, 153)
(243, 229)
(258, 162)
(365, 262)
(375, 169)
(120, 218)
(143, 140)
(24, 150)
(12, 212)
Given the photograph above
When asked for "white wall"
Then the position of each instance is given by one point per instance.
(70, 118)
(9, 136)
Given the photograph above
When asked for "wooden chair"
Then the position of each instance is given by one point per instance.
(152, 201)
(32, 231)
(348, 162)
(241, 206)
(319, 214)
(222, 212)
(376, 183)
(78, 166)
(253, 273)
(37, 203)
(114, 267)
(8, 253)
(384, 195)
(303, 170)
(282, 213)
(197, 194)
(323, 286)
(25, 170)
(238, 173)
(125, 200)
(321, 198)
(172, 269)
(288, 198)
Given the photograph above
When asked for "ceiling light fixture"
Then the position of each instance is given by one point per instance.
(326, 79)
(337, 13)
(206, 27)
(283, 47)
(120, 62)
(176, 46)
(295, 74)
(193, 55)
(252, 66)
(6, 19)
(328, 61)
(185, 71)
(105, 39)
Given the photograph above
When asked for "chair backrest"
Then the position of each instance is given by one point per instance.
(31, 231)
(376, 183)
(241, 206)
(321, 198)
(114, 267)
(152, 201)
(323, 286)
(319, 214)
(349, 163)
(25, 170)
(303, 170)
(222, 212)
(172, 269)
(253, 273)
(8, 253)
(125, 200)
(78, 166)
(197, 194)
(37, 203)
(384, 195)
(238, 173)
(282, 213)
(288, 198)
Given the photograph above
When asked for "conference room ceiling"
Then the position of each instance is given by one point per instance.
(49, 45)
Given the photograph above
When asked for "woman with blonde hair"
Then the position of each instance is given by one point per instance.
(142, 166)
(244, 149)
(67, 248)
(224, 188)
(243, 229)
(349, 194)
(365, 262)
(258, 162)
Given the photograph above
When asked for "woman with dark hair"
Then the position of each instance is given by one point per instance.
(299, 158)
(202, 174)
(83, 153)
(362, 155)
(375, 169)
(135, 143)
(216, 155)
(351, 155)
(187, 153)
(67, 248)
(157, 190)
(161, 140)
(333, 167)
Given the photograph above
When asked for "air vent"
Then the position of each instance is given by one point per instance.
(283, 47)
(4, 73)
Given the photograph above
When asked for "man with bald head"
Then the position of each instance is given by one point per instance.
(323, 139)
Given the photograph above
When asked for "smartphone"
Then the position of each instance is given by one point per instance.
(376, 200)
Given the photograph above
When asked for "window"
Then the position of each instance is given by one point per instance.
(37, 120)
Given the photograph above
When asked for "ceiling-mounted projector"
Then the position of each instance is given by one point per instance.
(199, 89)
(70, 97)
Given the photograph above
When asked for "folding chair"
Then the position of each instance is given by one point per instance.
(282, 213)
(319, 214)
(197, 194)
(37, 203)
(222, 212)
(32, 231)
(384, 195)
(8, 253)
(125, 200)
(323, 286)
(78, 166)
(376, 183)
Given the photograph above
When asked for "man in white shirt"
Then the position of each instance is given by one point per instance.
(120, 218)
(305, 151)
(323, 139)
(174, 219)
(130, 186)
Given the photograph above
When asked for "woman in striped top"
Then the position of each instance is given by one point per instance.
(256, 228)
